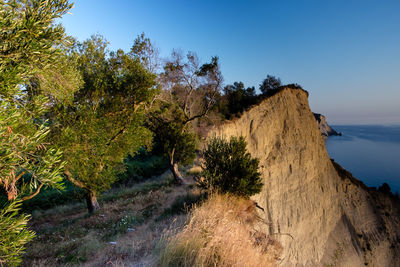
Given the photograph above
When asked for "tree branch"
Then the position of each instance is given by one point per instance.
(185, 103)
(120, 132)
(196, 116)
(72, 180)
(20, 175)
(207, 108)
(34, 194)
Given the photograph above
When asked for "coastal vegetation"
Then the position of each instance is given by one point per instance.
(77, 119)
(114, 158)
(103, 122)
(229, 168)
(32, 51)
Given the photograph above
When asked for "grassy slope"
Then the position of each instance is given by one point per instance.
(135, 225)
(134, 218)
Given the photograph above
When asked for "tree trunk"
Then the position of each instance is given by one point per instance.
(91, 201)
(173, 166)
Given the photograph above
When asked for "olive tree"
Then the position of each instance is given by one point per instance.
(172, 137)
(30, 48)
(191, 88)
(104, 121)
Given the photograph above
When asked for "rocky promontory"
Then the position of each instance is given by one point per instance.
(324, 127)
(321, 215)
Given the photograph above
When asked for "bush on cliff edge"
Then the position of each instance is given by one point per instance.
(229, 168)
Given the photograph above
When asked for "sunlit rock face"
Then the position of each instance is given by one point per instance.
(324, 127)
(319, 217)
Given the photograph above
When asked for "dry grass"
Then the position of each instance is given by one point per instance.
(220, 233)
(195, 170)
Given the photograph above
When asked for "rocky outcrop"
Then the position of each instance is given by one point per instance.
(324, 128)
(318, 211)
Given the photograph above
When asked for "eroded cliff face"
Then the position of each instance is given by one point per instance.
(319, 217)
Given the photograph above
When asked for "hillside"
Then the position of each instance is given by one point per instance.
(154, 223)
(313, 212)
(319, 217)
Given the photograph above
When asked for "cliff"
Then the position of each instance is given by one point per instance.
(324, 127)
(318, 211)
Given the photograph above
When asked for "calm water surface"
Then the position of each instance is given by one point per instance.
(370, 153)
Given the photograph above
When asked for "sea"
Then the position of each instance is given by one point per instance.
(370, 152)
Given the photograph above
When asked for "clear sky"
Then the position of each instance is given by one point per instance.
(346, 53)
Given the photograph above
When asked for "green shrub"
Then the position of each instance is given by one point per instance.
(229, 168)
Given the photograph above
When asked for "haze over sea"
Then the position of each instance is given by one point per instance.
(370, 152)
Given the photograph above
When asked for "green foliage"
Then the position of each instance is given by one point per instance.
(13, 234)
(24, 150)
(190, 91)
(269, 84)
(229, 168)
(104, 122)
(143, 166)
(238, 98)
(294, 86)
(30, 46)
(191, 86)
(29, 40)
(172, 136)
(32, 56)
(144, 50)
(186, 147)
(49, 198)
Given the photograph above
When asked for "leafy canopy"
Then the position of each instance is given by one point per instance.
(191, 86)
(190, 91)
(104, 122)
(31, 46)
(29, 40)
(238, 98)
(270, 83)
(31, 52)
(171, 135)
(25, 152)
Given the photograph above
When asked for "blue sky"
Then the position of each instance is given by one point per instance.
(345, 53)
